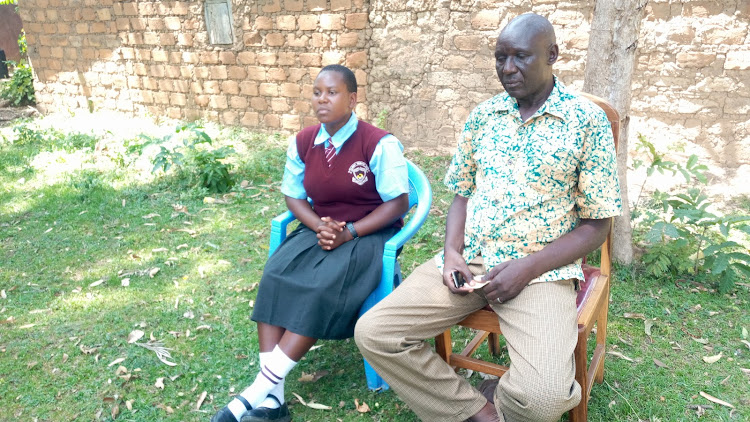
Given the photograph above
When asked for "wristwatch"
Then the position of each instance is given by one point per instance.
(350, 227)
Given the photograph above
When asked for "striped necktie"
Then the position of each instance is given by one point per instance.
(330, 152)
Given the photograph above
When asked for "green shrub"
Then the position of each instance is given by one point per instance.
(683, 238)
(202, 165)
(25, 135)
(19, 90)
(211, 172)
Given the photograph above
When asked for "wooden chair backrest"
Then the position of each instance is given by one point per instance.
(614, 120)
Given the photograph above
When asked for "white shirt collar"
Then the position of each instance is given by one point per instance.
(339, 137)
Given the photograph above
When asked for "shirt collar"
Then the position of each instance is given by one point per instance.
(553, 105)
(339, 137)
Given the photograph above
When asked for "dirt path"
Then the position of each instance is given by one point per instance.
(8, 114)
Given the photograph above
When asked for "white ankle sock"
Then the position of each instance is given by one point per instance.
(277, 391)
(277, 365)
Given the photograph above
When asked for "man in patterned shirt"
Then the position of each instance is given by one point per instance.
(535, 184)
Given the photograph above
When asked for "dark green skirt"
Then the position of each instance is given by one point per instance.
(318, 293)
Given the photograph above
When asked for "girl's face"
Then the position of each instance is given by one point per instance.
(331, 101)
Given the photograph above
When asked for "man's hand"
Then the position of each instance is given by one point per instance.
(454, 261)
(331, 233)
(508, 279)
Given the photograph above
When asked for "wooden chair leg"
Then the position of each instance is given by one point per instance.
(601, 336)
(493, 343)
(579, 413)
(443, 345)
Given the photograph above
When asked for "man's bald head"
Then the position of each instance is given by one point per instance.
(524, 55)
(532, 25)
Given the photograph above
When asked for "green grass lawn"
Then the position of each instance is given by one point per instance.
(79, 216)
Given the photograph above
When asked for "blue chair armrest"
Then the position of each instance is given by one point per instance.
(421, 195)
(278, 230)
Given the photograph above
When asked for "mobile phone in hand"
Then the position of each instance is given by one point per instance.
(458, 279)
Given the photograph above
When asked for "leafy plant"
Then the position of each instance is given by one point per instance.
(382, 120)
(211, 171)
(19, 90)
(26, 135)
(22, 46)
(684, 237)
(203, 165)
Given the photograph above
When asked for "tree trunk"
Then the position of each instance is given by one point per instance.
(609, 71)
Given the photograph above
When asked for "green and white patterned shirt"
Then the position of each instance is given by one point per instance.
(529, 183)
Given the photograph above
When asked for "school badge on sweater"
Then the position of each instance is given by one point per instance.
(359, 171)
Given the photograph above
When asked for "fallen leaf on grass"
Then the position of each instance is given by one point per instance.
(115, 411)
(23, 327)
(631, 315)
(129, 405)
(125, 282)
(155, 250)
(135, 335)
(712, 359)
(660, 364)
(152, 215)
(97, 282)
(87, 350)
(361, 408)
(153, 272)
(620, 355)
(746, 343)
(121, 370)
(162, 353)
(159, 383)
(311, 404)
(312, 377)
(700, 340)
(3, 295)
(31, 364)
(200, 400)
(715, 400)
(648, 324)
(165, 408)
(183, 246)
(115, 362)
(745, 371)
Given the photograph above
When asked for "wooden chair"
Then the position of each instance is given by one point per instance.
(592, 303)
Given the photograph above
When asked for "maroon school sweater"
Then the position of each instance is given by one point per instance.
(345, 191)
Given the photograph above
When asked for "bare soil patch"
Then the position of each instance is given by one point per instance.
(8, 113)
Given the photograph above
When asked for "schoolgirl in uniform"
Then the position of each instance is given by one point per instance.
(315, 282)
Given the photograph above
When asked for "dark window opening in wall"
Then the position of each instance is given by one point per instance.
(219, 21)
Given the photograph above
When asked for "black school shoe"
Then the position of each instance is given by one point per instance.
(224, 415)
(265, 414)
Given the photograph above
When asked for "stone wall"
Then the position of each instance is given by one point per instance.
(140, 56)
(424, 63)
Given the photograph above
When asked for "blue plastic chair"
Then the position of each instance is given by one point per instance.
(420, 194)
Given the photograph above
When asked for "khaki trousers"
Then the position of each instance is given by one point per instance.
(539, 326)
